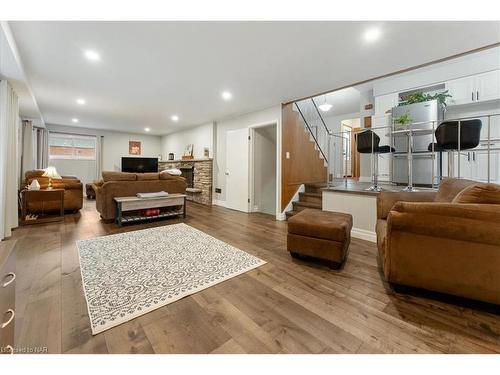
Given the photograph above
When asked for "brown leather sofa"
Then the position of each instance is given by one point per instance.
(73, 191)
(122, 184)
(446, 241)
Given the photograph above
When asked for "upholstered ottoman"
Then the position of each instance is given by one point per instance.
(320, 234)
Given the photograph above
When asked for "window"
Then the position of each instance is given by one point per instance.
(70, 146)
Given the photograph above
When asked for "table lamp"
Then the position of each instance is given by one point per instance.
(51, 173)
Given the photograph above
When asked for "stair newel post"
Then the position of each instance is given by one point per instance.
(330, 160)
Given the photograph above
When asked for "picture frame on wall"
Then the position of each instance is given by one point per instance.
(134, 148)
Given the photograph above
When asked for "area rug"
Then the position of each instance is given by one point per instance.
(130, 274)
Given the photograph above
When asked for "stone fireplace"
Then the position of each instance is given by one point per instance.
(199, 176)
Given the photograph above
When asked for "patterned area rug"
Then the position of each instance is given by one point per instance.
(129, 274)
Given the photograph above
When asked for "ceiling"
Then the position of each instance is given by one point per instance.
(11, 70)
(343, 102)
(152, 70)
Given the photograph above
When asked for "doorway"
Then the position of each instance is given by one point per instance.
(263, 169)
(351, 161)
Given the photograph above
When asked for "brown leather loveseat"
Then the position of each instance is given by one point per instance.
(122, 184)
(73, 191)
(446, 241)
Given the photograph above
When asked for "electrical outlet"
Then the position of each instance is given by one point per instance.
(218, 190)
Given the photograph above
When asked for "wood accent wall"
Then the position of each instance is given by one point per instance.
(304, 165)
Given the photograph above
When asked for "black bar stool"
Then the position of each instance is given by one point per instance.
(367, 143)
(449, 140)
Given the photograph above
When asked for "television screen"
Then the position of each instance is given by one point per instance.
(139, 165)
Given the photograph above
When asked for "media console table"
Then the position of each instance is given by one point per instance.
(129, 208)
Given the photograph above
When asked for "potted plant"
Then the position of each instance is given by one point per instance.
(419, 97)
(403, 119)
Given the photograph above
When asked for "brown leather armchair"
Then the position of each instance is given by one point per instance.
(73, 191)
(434, 241)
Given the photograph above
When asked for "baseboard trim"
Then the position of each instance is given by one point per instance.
(281, 217)
(364, 234)
(217, 202)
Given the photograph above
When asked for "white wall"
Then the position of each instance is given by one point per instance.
(200, 136)
(264, 169)
(362, 207)
(334, 122)
(265, 116)
(115, 144)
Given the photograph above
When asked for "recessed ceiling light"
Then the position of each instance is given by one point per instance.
(75, 120)
(174, 118)
(92, 55)
(226, 95)
(80, 101)
(372, 34)
(147, 129)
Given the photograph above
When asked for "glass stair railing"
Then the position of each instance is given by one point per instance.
(327, 143)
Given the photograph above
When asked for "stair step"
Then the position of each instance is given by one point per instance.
(314, 188)
(311, 197)
(299, 206)
(289, 214)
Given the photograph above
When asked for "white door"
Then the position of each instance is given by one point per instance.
(461, 91)
(487, 86)
(237, 194)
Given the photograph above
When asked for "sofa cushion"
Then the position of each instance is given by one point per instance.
(450, 187)
(147, 176)
(164, 175)
(480, 193)
(118, 176)
(334, 226)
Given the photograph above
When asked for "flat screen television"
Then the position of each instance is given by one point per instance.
(139, 165)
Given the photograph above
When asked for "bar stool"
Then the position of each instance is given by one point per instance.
(367, 143)
(449, 140)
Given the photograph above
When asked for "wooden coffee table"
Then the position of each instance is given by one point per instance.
(128, 208)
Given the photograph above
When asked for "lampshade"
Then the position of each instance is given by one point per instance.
(51, 172)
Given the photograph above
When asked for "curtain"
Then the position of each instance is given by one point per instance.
(9, 175)
(42, 147)
(29, 147)
(98, 156)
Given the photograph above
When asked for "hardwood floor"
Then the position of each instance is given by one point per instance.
(285, 306)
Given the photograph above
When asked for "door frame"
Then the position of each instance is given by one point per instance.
(251, 175)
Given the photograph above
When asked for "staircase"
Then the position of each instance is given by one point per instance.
(310, 198)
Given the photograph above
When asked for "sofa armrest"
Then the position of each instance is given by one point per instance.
(386, 200)
(463, 222)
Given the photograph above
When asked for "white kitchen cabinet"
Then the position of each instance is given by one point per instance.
(461, 91)
(487, 86)
(474, 165)
(494, 129)
(474, 89)
(384, 103)
(480, 166)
